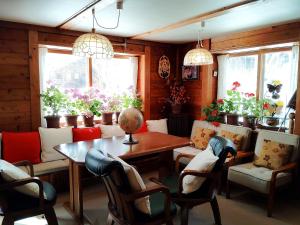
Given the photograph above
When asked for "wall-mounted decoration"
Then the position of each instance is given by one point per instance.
(164, 67)
(190, 73)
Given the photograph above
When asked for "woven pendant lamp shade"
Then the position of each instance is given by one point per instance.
(197, 57)
(93, 45)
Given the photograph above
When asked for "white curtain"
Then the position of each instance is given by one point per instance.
(42, 71)
(223, 61)
(134, 73)
(294, 70)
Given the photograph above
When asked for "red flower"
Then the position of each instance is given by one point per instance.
(266, 105)
(214, 113)
(251, 94)
(216, 124)
(236, 84)
(220, 101)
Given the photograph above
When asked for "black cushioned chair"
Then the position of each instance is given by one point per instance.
(15, 205)
(121, 197)
(207, 192)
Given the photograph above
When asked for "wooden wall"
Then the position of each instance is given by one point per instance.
(202, 91)
(15, 112)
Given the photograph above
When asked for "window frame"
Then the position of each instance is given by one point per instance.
(90, 62)
(261, 59)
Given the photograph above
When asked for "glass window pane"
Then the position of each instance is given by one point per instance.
(116, 75)
(67, 71)
(244, 70)
(278, 66)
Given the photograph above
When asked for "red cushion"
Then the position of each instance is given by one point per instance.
(21, 146)
(85, 134)
(143, 128)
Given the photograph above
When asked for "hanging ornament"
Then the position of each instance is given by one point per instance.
(164, 67)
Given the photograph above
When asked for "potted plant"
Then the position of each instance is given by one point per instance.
(270, 109)
(53, 102)
(132, 100)
(72, 108)
(177, 97)
(111, 104)
(213, 113)
(251, 110)
(232, 104)
(221, 110)
(90, 105)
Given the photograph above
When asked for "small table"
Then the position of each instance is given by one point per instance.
(150, 143)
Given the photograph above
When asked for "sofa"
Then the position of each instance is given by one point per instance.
(245, 132)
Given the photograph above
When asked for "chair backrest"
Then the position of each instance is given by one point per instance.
(244, 131)
(115, 181)
(221, 147)
(289, 139)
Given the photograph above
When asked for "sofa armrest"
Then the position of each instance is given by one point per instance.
(27, 164)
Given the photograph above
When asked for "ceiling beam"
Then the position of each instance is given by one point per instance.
(198, 18)
(104, 3)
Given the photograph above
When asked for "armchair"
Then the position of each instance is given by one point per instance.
(264, 180)
(122, 209)
(15, 205)
(206, 193)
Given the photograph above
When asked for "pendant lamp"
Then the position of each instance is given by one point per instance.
(93, 45)
(199, 55)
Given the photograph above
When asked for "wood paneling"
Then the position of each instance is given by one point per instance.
(202, 91)
(260, 37)
(14, 80)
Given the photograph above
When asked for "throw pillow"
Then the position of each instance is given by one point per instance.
(273, 155)
(157, 126)
(85, 134)
(21, 146)
(201, 137)
(204, 161)
(109, 131)
(137, 184)
(237, 139)
(51, 137)
(143, 128)
(10, 173)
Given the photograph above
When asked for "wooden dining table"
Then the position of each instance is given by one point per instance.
(151, 145)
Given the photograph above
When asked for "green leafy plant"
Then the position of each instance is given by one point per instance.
(132, 101)
(53, 101)
(250, 106)
(73, 107)
(212, 113)
(90, 108)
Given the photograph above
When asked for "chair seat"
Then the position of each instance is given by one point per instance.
(157, 202)
(17, 201)
(185, 150)
(256, 178)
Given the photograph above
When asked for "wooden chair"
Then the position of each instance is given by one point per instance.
(207, 192)
(15, 205)
(264, 180)
(121, 197)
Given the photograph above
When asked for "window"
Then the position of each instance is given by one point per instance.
(255, 70)
(66, 71)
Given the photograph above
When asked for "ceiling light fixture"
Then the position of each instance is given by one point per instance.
(199, 55)
(95, 45)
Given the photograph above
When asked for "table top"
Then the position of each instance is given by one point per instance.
(149, 143)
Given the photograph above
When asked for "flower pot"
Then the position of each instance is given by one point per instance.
(88, 120)
(250, 121)
(117, 114)
(222, 117)
(52, 121)
(107, 118)
(71, 120)
(232, 119)
(176, 108)
(272, 121)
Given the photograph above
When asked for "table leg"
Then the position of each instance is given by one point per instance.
(78, 203)
(166, 164)
(71, 185)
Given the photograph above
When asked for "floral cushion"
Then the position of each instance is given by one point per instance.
(273, 155)
(237, 139)
(202, 137)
